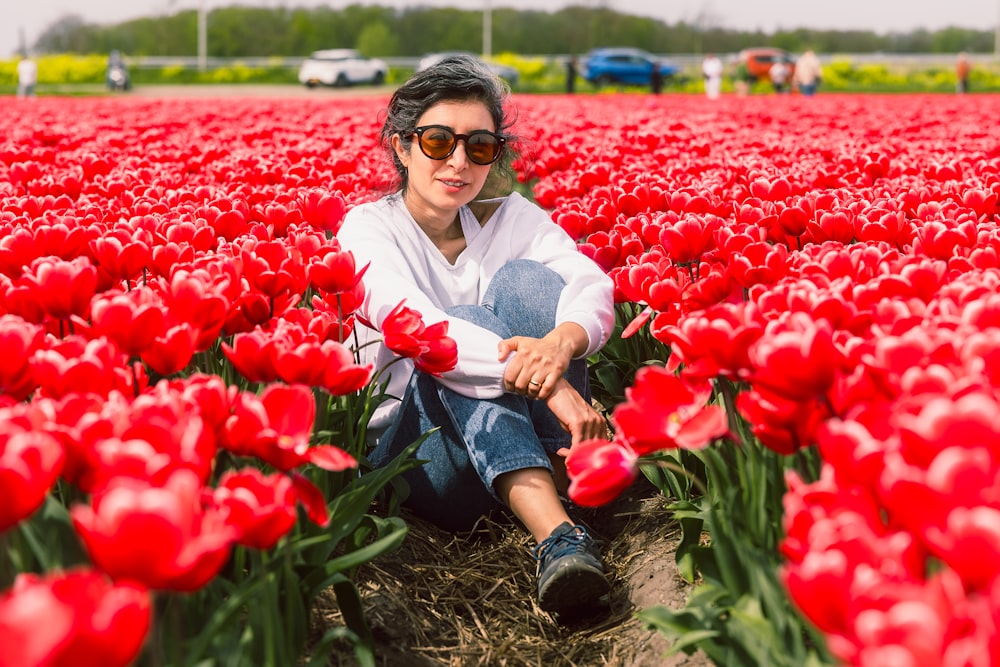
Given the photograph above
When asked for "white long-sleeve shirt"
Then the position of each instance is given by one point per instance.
(406, 265)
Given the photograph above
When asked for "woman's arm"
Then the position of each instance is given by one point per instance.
(584, 316)
(393, 277)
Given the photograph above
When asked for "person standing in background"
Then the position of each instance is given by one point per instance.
(711, 71)
(571, 75)
(656, 78)
(779, 76)
(27, 76)
(962, 69)
(808, 73)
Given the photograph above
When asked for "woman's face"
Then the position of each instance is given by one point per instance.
(436, 189)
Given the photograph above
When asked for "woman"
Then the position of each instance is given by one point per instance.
(523, 305)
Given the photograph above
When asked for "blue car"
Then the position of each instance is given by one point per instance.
(624, 66)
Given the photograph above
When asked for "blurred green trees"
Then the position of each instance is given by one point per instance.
(242, 31)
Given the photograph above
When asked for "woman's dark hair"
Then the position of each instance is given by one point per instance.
(458, 78)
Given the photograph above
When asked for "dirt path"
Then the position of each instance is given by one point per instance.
(461, 600)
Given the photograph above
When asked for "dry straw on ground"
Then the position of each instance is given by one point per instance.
(469, 599)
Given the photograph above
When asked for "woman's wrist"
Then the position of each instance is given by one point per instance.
(571, 338)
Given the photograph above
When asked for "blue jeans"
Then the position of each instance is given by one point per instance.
(480, 439)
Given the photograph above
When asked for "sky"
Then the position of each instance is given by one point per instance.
(31, 17)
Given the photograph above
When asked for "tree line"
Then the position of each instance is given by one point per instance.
(240, 31)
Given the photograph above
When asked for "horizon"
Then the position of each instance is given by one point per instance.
(886, 16)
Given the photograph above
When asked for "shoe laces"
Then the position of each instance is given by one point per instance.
(561, 543)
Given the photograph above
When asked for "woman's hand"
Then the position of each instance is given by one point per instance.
(575, 414)
(540, 362)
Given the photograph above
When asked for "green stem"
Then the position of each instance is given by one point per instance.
(291, 589)
(684, 472)
(270, 603)
(728, 392)
(6, 566)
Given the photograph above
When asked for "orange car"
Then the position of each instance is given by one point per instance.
(758, 62)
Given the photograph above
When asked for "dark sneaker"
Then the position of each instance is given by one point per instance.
(570, 575)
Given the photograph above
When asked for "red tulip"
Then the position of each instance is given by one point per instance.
(273, 270)
(323, 209)
(17, 250)
(820, 586)
(759, 263)
(831, 226)
(158, 536)
(599, 471)
(334, 272)
(200, 299)
(36, 625)
(18, 342)
(793, 220)
(276, 427)
(689, 238)
(299, 358)
(402, 330)
(796, 362)
(78, 365)
(343, 376)
(260, 507)
(252, 355)
(320, 322)
(780, 424)
(73, 619)
(441, 353)
(133, 319)
(663, 412)
(122, 254)
(168, 255)
(654, 281)
(404, 333)
(30, 463)
(172, 351)
(61, 288)
(714, 342)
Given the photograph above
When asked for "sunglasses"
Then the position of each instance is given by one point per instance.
(438, 142)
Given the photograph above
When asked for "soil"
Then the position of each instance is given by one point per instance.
(469, 599)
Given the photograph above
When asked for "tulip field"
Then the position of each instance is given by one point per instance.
(807, 363)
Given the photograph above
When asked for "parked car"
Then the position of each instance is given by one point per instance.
(341, 67)
(758, 62)
(624, 65)
(509, 74)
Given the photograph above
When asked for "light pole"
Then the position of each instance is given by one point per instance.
(202, 37)
(487, 29)
(996, 35)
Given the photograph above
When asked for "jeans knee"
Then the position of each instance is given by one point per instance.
(529, 275)
(480, 316)
(524, 282)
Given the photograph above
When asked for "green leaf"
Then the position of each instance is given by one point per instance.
(688, 547)
(349, 601)
(750, 630)
(320, 654)
(327, 575)
(223, 615)
(349, 507)
(295, 611)
(670, 622)
(49, 541)
(691, 641)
